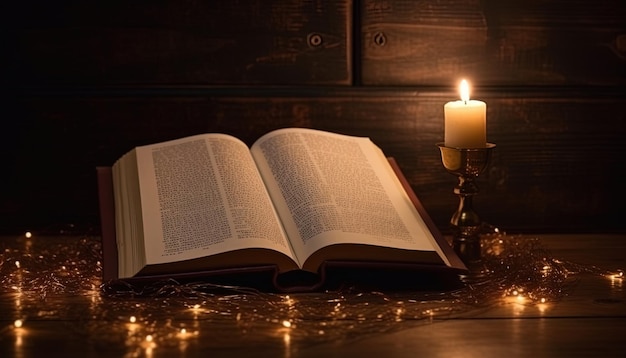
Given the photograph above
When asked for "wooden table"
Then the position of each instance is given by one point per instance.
(55, 293)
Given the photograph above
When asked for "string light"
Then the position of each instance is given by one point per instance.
(19, 333)
(516, 270)
(617, 279)
(184, 334)
(617, 276)
(148, 344)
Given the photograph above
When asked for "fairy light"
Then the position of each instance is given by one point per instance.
(617, 276)
(519, 272)
(617, 279)
(28, 234)
(19, 333)
(399, 311)
(149, 345)
(94, 295)
(290, 301)
(543, 305)
(132, 326)
(337, 311)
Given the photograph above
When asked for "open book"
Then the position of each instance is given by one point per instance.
(296, 200)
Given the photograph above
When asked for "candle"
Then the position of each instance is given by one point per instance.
(465, 121)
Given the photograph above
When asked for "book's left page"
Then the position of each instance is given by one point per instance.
(202, 196)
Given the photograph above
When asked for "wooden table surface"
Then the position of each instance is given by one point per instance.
(55, 293)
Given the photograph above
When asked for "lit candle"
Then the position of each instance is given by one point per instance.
(465, 121)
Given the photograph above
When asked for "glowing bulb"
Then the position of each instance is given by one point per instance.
(618, 275)
(148, 345)
(289, 301)
(17, 264)
(132, 319)
(617, 279)
(286, 324)
(543, 306)
(18, 323)
(28, 234)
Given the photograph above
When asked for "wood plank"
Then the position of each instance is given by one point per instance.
(491, 338)
(514, 43)
(178, 42)
(56, 292)
(554, 168)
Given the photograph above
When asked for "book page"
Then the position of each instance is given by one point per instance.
(335, 189)
(128, 210)
(203, 195)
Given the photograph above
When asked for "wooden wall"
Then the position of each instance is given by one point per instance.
(85, 82)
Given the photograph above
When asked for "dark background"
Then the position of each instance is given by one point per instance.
(84, 82)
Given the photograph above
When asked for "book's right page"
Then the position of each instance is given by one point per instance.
(339, 190)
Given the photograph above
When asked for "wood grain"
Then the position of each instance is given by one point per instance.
(516, 43)
(84, 83)
(79, 319)
(178, 42)
(555, 167)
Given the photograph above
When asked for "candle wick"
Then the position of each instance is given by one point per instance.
(465, 102)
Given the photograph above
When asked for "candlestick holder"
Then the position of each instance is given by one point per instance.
(467, 164)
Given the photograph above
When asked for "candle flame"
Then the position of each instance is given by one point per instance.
(464, 89)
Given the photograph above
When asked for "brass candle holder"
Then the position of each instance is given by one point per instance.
(467, 164)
